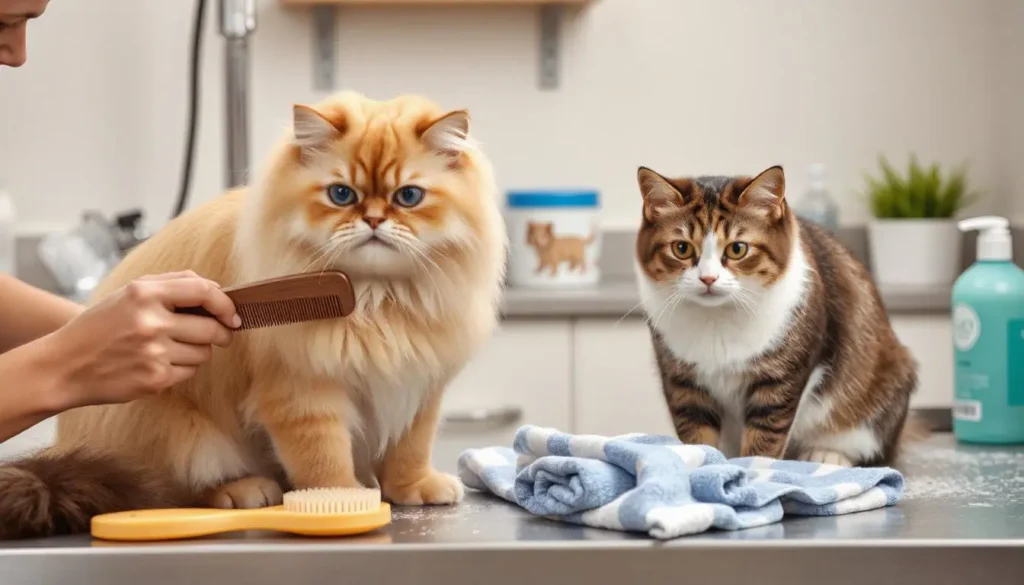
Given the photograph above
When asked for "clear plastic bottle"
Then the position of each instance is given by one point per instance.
(817, 205)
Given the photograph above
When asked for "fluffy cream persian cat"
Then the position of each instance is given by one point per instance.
(396, 195)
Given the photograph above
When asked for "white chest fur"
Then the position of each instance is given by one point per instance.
(721, 342)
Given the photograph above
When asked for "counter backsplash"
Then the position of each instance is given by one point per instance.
(616, 262)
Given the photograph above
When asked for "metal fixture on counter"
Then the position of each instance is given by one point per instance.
(80, 258)
(237, 22)
(129, 229)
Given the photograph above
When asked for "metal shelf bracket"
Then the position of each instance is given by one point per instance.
(325, 58)
(550, 24)
(325, 46)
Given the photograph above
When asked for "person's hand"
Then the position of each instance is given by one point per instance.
(132, 344)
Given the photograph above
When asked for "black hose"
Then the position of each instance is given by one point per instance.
(193, 114)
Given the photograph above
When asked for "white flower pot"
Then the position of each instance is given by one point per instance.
(914, 252)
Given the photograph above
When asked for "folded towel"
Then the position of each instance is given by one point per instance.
(662, 487)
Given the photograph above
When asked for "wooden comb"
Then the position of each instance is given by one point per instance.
(289, 299)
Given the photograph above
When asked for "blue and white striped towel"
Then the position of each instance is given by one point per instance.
(659, 486)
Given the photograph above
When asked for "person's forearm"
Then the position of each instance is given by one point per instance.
(31, 387)
(28, 313)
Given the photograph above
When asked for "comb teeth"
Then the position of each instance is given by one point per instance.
(283, 312)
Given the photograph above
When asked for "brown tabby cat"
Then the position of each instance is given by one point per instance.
(553, 250)
(394, 193)
(771, 339)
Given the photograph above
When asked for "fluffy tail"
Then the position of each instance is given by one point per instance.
(58, 492)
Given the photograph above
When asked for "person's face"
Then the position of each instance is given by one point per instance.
(14, 17)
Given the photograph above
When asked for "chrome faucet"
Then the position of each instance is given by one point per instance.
(237, 22)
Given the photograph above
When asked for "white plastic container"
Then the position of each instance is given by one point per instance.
(8, 219)
(554, 237)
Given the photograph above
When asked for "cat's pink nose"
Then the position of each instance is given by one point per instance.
(373, 221)
(708, 280)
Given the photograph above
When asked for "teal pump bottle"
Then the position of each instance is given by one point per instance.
(988, 340)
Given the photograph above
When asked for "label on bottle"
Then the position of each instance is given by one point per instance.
(966, 327)
(970, 387)
(967, 410)
(1015, 361)
(973, 350)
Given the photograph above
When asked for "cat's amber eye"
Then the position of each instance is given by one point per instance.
(409, 196)
(341, 194)
(683, 250)
(736, 250)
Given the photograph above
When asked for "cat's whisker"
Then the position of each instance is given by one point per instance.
(643, 300)
(745, 301)
(627, 313)
(419, 256)
(669, 307)
(329, 246)
(422, 249)
(675, 304)
(751, 307)
(648, 317)
(678, 293)
(329, 259)
(340, 247)
(422, 254)
(418, 252)
(319, 253)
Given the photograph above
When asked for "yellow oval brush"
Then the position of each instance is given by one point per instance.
(313, 512)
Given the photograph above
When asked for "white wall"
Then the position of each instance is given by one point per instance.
(1010, 105)
(97, 118)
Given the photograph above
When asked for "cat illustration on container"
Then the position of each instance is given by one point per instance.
(553, 250)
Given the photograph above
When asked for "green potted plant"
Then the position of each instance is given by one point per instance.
(913, 237)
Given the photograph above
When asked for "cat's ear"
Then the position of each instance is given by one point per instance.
(311, 129)
(660, 196)
(766, 193)
(447, 135)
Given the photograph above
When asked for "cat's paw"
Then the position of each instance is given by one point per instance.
(250, 492)
(434, 488)
(829, 457)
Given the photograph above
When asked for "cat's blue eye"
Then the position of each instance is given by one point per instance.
(341, 194)
(409, 196)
